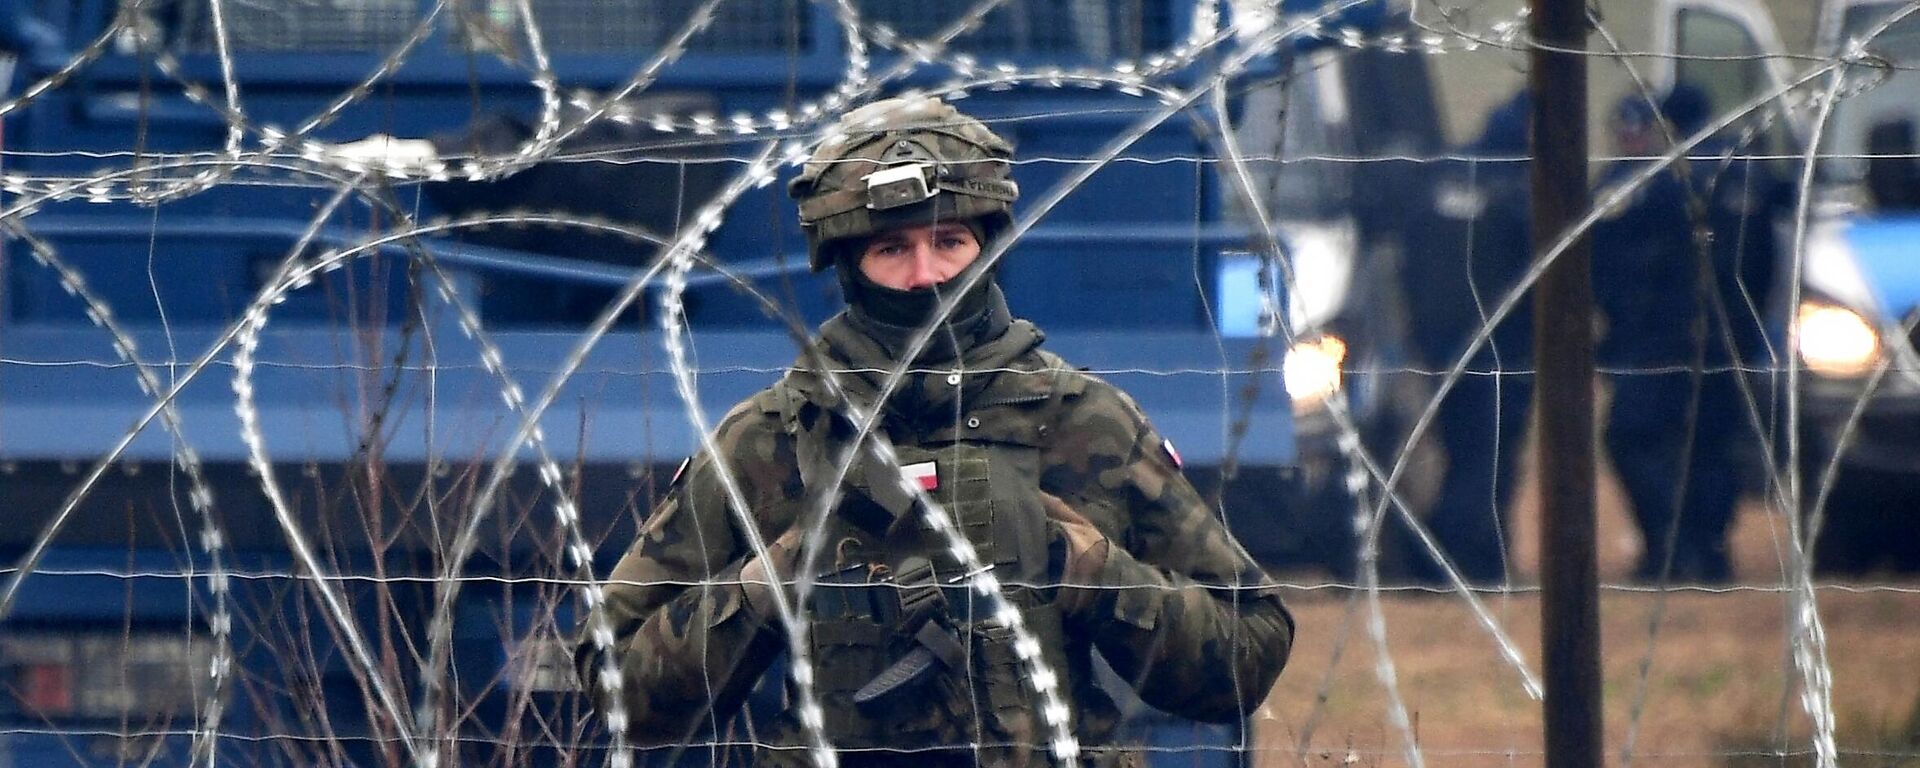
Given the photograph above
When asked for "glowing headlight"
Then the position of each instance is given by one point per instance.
(1312, 370)
(1323, 261)
(1832, 267)
(1835, 341)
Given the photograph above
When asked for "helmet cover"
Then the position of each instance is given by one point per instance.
(901, 162)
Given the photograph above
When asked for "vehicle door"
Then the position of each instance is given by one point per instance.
(1731, 49)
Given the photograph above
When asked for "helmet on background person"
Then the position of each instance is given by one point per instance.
(903, 161)
(1635, 120)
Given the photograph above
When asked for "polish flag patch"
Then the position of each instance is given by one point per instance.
(1167, 445)
(924, 473)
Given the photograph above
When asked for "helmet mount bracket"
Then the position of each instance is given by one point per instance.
(899, 186)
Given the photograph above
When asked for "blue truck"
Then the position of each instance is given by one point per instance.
(168, 614)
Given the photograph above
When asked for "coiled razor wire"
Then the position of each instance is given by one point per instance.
(199, 494)
(1055, 77)
(292, 274)
(760, 173)
(1812, 668)
(578, 553)
(221, 621)
(1809, 654)
(1065, 746)
(238, 124)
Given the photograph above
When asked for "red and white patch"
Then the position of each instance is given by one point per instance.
(1167, 445)
(680, 471)
(924, 473)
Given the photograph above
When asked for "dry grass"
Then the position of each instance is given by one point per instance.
(1716, 682)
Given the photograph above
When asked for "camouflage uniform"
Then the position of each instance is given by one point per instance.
(1184, 615)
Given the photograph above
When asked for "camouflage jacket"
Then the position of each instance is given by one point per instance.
(1194, 626)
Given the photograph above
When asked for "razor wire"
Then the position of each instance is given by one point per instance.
(1133, 79)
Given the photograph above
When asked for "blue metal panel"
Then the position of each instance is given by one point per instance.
(1888, 249)
(1121, 273)
(1191, 384)
(73, 585)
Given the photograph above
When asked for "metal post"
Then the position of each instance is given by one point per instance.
(1563, 351)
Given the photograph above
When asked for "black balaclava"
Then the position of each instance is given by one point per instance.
(891, 316)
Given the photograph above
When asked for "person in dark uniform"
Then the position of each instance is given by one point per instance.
(1476, 248)
(1682, 273)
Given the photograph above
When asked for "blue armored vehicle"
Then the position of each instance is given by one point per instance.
(346, 339)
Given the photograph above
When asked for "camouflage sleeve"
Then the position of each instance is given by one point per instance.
(687, 651)
(1187, 616)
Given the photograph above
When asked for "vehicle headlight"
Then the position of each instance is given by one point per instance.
(1831, 266)
(1322, 256)
(1312, 370)
(1835, 340)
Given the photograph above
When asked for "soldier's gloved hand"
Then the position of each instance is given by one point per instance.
(1084, 559)
(760, 576)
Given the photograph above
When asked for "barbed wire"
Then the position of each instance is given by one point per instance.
(144, 182)
(1624, 587)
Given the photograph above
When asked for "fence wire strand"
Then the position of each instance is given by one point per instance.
(395, 631)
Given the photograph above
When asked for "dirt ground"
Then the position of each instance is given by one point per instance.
(1690, 677)
(1710, 683)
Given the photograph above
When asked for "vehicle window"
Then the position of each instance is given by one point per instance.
(621, 26)
(1887, 101)
(1295, 130)
(1099, 30)
(1732, 71)
(493, 26)
(365, 25)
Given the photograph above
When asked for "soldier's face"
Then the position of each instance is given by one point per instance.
(912, 258)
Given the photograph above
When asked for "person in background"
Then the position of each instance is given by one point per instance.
(1478, 246)
(1893, 175)
(1682, 273)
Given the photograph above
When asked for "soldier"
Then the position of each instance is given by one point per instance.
(1057, 479)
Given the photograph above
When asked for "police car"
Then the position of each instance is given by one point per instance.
(1853, 326)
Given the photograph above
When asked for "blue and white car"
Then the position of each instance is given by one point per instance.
(1853, 328)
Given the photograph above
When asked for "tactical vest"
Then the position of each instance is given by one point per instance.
(890, 590)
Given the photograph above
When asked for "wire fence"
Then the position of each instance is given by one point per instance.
(319, 450)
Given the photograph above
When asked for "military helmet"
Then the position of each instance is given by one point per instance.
(898, 162)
